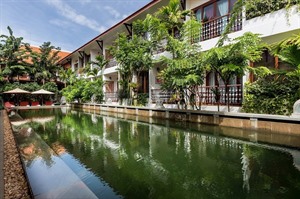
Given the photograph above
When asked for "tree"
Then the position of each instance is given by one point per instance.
(233, 60)
(67, 76)
(172, 16)
(12, 55)
(134, 56)
(45, 64)
(93, 67)
(184, 72)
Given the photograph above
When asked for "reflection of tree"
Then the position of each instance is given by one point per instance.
(32, 147)
(269, 176)
(246, 170)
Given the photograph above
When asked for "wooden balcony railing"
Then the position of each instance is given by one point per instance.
(205, 94)
(111, 96)
(215, 27)
(161, 95)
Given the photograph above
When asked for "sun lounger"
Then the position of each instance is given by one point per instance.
(9, 104)
(24, 103)
(35, 103)
(48, 103)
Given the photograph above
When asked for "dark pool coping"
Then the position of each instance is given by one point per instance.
(1, 155)
(56, 181)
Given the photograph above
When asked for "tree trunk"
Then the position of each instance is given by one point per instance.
(227, 96)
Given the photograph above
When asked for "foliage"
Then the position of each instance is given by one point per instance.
(271, 96)
(255, 8)
(133, 56)
(123, 94)
(93, 88)
(277, 94)
(288, 52)
(233, 60)
(172, 16)
(67, 76)
(74, 92)
(142, 99)
(184, 71)
(12, 55)
(94, 67)
(50, 86)
(44, 62)
(83, 90)
(31, 86)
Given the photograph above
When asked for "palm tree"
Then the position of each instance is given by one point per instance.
(67, 76)
(173, 16)
(93, 67)
(288, 51)
(12, 55)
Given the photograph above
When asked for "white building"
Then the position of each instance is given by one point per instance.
(214, 14)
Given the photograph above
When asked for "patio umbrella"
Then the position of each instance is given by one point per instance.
(17, 91)
(42, 92)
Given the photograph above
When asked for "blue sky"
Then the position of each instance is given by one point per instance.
(67, 24)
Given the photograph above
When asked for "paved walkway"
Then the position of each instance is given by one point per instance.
(1, 155)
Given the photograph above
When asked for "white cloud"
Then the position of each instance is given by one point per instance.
(85, 1)
(113, 12)
(71, 14)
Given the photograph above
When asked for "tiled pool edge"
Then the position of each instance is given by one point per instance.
(272, 123)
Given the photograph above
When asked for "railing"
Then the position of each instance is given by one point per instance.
(208, 95)
(215, 27)
(111, 63)
(158, 95)
(205, 94)
(111, 96)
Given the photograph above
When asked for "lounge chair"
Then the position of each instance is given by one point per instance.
(24, 103)
(48, 103)
(9, 104)
(35, 103)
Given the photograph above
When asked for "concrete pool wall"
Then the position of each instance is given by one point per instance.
(272, 123)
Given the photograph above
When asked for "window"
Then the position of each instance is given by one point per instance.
(208, 12)
(215, 16)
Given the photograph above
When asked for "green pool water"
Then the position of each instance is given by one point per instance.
(119, 158)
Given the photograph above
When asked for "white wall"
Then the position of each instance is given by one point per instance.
(270, 25)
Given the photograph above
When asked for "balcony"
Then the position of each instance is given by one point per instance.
(215, 27)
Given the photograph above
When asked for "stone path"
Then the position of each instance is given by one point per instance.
(1, 155)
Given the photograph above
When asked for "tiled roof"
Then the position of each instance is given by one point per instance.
(61, 54)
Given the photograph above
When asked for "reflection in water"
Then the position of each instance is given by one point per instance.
(120, 158)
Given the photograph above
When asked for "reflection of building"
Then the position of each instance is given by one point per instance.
(214, 15)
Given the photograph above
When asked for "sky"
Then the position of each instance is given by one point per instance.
(67, 24)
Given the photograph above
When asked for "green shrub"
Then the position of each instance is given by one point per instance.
(83, 90)
(271, 96)
(142, 99)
